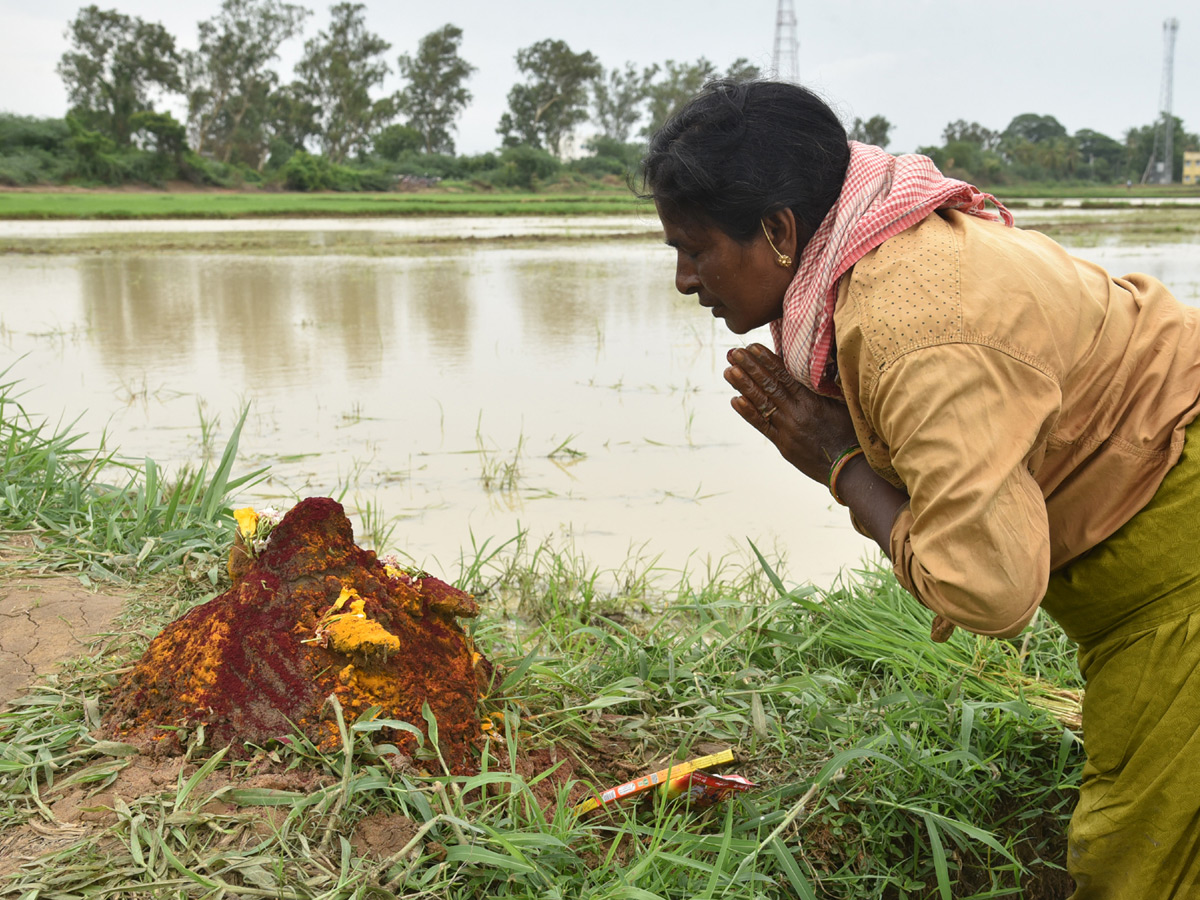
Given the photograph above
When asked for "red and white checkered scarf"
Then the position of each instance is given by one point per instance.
(882, 196)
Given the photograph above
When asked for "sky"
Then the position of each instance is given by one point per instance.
(920, 63)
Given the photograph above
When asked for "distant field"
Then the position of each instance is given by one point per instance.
(170, 205)
(1093, 191)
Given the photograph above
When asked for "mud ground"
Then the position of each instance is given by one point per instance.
(45, 620)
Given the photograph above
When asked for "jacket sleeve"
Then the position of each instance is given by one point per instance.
(962, 422)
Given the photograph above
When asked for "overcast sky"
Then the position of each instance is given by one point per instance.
(920, 63)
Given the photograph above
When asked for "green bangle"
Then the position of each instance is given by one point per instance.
(836, 469)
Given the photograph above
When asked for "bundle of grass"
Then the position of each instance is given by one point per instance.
(309, 616)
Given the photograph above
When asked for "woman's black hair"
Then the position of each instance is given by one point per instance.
(739, 151)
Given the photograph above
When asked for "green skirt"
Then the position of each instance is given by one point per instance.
(1132, 604)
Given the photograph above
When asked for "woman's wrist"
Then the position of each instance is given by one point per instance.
(839, 463)
(873, 500)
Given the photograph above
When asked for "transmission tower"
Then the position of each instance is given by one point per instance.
(787, 46)
(1162, 157)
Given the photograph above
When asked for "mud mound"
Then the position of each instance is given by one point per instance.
(309, 615)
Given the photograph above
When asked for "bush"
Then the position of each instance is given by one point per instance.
(96, 157)
(31, 166)
(630, 154)
(308, 172)
(28, 133)
(522, 166)
(204, 171)
(598, 166)
(305, 172)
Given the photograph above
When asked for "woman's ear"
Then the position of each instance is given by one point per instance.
(786, 234)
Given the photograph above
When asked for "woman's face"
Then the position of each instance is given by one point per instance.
(741, 283)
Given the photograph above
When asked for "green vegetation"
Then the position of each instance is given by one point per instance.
(331, 127)
(886, 765)
(182, 205)
(1036, 148)
(1118, 194)
(105, 517)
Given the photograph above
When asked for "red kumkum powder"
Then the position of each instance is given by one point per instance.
(312, 615)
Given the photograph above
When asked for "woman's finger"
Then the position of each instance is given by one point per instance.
(773, 363)
(763, 404)
(757, 414)
(773, 381)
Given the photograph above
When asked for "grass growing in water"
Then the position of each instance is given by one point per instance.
(888, 766)
(105, 516)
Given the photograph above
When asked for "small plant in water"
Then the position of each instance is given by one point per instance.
(208, 428)
(377, 526)
(564, 451)
(497, 474)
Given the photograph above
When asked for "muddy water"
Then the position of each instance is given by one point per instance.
(464, 392)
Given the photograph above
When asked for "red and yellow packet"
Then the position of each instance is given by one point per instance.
(706, 788)
(686, 778)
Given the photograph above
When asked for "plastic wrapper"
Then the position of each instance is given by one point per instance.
(686, 779)
(706, 788)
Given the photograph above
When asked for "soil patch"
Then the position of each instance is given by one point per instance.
(382, 835)
(46, 620)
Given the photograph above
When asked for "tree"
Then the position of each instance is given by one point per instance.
(553, 98)
(436, 93)
(1033, 128)
(114, 64)
(617, 100)
(160, 133)
(873, 131)
(961, 131)
(228, 79)
(339, 69)
(741, 69)
(165, 138)
(682, 81)
(291, 119)
(1094, 146)
(393, 141)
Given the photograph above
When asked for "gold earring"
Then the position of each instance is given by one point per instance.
(781, 259)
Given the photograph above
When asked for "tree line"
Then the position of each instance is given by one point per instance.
(1038, 148)
(332, 124)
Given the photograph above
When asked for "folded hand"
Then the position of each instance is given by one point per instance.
(808, 430)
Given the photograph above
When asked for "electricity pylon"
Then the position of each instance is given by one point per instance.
(787, 46)
(1162, 157)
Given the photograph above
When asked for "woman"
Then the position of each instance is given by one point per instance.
(1007, 422)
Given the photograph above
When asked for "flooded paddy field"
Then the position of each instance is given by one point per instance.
(453, 381)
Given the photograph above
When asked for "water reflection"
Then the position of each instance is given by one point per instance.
(405, 383)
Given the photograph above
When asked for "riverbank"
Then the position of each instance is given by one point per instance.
(883, 762)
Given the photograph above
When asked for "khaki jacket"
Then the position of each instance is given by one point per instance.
(1027, 401)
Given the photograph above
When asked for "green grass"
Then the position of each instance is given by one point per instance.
(213, 205)
(888, 766)
(1088, 190)
(104, 516)
(100, 204)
